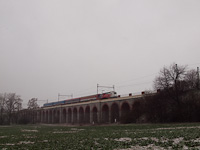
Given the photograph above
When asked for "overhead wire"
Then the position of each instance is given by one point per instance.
(138, 78)
(83, 92)
(87, 91)
(144, 77)
(135, 84)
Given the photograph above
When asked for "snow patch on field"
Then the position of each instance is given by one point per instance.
(25, 142)
(173, 128)
(177, 140)
(25, 130)
(124, 139)
(75, 129)
(148, 147)
(1, 137)
(65, 132)
(196, 140)
(45, 141)
(151, 147)
(8, 144)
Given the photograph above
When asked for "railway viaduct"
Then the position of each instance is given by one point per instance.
(90, 112)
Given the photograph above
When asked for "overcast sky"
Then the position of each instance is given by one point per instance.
(68, 46)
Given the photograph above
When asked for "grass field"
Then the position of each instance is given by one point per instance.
(115, 137)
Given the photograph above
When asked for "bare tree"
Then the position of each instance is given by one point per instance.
(191, 79)
(13, 104)
(170, 79)
(32, 104)
(2, 108)
(32, 107)
(169, 76)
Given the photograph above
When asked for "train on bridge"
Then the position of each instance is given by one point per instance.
(106, 95)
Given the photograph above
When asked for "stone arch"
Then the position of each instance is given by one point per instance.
(43, 116)
(58, 116)
(87, 114)
(54, 116)
(81, 115)
(64, 114)
(95, 115)
(69, 115)
(75, 115)
(105, 113)
(40, 116)
(50, 116)
(114, 113)
(47, 116)
(136, 112)
(125, 111)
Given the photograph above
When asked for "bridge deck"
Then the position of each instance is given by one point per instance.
(94, 101)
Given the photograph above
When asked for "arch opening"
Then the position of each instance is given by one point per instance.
(81, 115)
(114, 113)
(39, 116)
(105, 114)
(69, 115)
(46, 117)
(50, 116)
(125, 111)
(58, 117)
(64, 116)
(43, 117)
(54, 116)
(87, 114)
(75, 115)
(94, 115)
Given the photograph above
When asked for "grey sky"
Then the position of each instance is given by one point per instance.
(68, 46)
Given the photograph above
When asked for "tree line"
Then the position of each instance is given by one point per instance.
(11, 111)
(177, 100)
